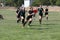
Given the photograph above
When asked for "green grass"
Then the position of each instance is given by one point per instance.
(10, 30)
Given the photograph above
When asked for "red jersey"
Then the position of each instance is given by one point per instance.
(35, 11)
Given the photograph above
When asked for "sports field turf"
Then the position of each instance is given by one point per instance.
(10, 30)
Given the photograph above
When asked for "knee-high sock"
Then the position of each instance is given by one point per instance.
(25, 22)
(47, 18)
(40, 20)
(18, 20)
(29, 22)
(22, 21)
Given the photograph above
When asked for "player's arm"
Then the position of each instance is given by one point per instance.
(30, 14)
(43, 10)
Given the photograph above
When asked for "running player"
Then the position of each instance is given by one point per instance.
(18, 15)
(29, 17)
(22, 15)
(40, 9)
(46, 12)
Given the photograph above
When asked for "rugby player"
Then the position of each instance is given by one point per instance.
(29, 17)
(18, 15)
(22, 15)
(46, 12)
(41, 10)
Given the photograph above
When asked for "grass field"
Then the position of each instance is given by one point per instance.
(10, 30)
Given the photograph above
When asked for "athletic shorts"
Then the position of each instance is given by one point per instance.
(46, 13)
(28, 17)
(41, 14)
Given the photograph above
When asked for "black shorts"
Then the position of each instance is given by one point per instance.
(40, 14)
(28, 17)
(46, 13)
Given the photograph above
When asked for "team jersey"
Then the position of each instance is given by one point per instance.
(22, 12)
(40, 10)
(35, 11)
(30, 11)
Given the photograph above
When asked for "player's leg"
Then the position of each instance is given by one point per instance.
(46, 14)
(23, 20)
(18, 18)
(33, 17)
(26, 20)
(30, 21)
(47, 17)
(40, 19)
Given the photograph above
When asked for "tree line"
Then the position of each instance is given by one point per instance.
(46, 2)
(15, 3)
(35, 2)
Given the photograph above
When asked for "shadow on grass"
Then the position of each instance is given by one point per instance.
(49, 24)
(36, 25)
(39, 28)
(46, 24)
(54, 20)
